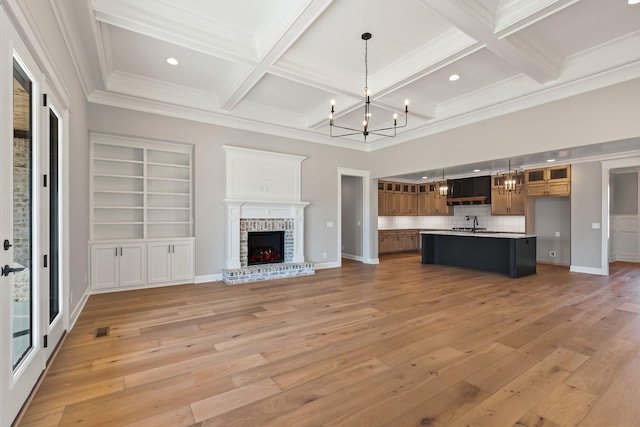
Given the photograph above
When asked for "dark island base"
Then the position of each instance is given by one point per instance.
(515, 257)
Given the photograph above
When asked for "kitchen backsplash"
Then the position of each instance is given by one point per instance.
(505, 223)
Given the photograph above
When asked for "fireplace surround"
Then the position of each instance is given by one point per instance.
(263, 194)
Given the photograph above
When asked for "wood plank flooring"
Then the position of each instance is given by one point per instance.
(395, 344)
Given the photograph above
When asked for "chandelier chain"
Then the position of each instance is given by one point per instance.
(366, 66)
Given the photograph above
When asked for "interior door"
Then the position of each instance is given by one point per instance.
(23, 350)
(22, 355)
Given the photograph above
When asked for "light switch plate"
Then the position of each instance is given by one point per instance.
(595, 225)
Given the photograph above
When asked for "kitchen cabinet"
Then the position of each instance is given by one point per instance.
(430, 202)
(397, 198)
(512, 254)
(381, 199)
(551, 181)
(408, 199)
(390, 241)
(507, 203)
(116, 265)
(170, 261)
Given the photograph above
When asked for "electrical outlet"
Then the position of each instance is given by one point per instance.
(324, 255)
(557, 234)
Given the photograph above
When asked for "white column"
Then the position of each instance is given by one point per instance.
(298, 231)
(233, 235)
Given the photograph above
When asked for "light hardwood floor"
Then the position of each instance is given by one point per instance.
(395, 344)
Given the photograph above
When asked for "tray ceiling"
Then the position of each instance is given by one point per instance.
(274, 66)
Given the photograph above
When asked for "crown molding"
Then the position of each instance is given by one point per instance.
(121, 82)
(72, 42)
(21, 16)
(216, 118)
(159, 20)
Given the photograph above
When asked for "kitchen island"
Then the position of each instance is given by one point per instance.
(513, 254)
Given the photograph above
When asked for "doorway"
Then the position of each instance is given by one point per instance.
(354, 215)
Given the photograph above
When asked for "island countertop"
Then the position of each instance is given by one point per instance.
(479, 234)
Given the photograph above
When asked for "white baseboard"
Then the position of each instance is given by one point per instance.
(208, 278)
(323, 265)
(372, 261)
(352, 257)
(586, 270)
(73, 317)
(623, 258)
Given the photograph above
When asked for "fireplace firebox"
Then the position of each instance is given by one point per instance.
(265, 247)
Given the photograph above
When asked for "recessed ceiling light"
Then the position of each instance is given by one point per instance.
(454, 77)
(425, 177)
(633, 1)
(476, 170)
(551, 160)
(172, 61)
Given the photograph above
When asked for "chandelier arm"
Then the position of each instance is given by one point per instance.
(354, 132)
(346, 128)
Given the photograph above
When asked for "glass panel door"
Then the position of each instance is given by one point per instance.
(22, 277)
(54, 219)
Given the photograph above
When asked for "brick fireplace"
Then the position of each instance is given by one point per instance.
(263, 194)
(244, 217)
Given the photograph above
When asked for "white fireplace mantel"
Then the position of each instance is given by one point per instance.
(258, 209)
(262, 185)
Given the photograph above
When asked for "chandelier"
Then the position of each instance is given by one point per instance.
(366, 128)
(443, 187)
(510, 181)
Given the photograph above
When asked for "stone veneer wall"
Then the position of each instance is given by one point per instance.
(21, 217)
(259, 224)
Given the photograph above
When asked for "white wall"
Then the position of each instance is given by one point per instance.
(553, 229)
(586, 210)
(319, 177)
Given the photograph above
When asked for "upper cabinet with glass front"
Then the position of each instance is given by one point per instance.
(140, 189)
(551, 181)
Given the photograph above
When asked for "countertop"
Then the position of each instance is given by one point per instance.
(479, 234)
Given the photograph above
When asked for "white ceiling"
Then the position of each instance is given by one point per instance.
(274, 66)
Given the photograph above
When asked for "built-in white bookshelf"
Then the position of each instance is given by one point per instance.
(140, 189)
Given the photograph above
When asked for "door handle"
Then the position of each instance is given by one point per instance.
(6, 270)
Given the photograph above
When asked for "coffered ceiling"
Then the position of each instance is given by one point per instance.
(274, 66)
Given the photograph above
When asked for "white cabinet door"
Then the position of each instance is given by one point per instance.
(159, 265)
(104, 266)
(182, 260)
(132, 259)
(118, 264)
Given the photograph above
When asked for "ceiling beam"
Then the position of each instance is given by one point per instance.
(528, 52)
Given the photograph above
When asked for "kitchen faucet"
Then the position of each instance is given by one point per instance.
(475, 221)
